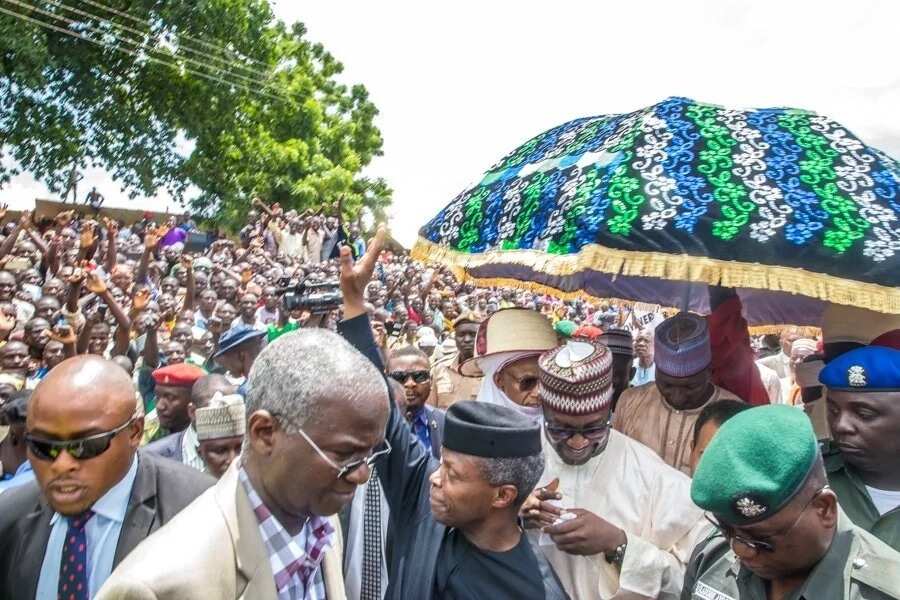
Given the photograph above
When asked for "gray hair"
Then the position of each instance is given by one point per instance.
(523, 473)
(297, 373)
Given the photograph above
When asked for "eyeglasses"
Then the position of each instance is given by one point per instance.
(525, 384)
(342, 470)
(760, 545)
(594, 434)
(417, 376)
(84, 448)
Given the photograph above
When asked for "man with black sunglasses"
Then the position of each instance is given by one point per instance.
(782, 533)
(616, 520)
(409, 367)
(95, 499)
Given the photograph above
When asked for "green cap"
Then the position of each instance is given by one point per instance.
(755, 464)
(565, 328)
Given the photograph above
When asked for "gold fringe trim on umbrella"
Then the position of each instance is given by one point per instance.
(678, 267)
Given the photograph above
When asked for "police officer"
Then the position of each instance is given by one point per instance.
(863, 457)
(781, 533)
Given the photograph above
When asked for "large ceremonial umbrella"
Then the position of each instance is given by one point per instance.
(783, 204)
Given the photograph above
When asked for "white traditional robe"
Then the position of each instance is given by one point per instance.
(632, 488)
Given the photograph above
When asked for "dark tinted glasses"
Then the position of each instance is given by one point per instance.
(594, 434)
(418, 376)
(81, 449)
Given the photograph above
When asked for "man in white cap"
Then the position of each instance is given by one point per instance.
(618, 522)
(506, 352)
(220, 431)
(662, 414)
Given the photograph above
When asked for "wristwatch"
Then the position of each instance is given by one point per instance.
(617, 556)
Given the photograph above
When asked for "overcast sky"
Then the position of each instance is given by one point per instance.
(461, 84)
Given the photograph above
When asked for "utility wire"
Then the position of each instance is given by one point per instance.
(185, 47)
(137, 43)
(150, 58)
(184, 35)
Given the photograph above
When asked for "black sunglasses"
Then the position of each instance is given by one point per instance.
(81, 449)
(418, 376)
(594, 434)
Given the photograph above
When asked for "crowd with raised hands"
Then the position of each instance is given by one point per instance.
(300, 412)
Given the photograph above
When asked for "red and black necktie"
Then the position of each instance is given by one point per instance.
(73, 576)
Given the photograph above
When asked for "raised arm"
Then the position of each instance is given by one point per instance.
(10, 242)
(190, 293)
(112, 231)
(123, 333)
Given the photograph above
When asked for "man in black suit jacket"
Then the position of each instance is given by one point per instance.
(82, 434)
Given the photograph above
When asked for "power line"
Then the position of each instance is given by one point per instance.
(137, 43)
(148, 57)
(184, 35)
(183, 46)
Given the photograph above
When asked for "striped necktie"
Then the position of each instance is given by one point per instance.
(370, 587)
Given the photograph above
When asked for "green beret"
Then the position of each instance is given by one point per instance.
(756, 463)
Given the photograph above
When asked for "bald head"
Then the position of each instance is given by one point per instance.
(83, 397)
(86, 383)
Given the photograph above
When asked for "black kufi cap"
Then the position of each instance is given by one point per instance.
(490, 431)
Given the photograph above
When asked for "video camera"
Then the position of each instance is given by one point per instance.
(316, 297)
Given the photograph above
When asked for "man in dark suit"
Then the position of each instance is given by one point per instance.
(94, 499)
(462, 540)
(365, 522)
(410, 367)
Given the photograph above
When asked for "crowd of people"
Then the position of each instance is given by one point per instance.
(300, 413)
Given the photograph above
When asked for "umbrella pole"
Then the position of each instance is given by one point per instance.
(686, 296)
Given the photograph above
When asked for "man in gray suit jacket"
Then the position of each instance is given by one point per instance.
(82, 434)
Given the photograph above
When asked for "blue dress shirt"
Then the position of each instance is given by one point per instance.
(23, 475)
(102, 532)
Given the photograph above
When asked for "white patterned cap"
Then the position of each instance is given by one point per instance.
(226, 416)
(576, 379)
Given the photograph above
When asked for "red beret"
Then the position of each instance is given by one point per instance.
(891, 339)
(180, 375)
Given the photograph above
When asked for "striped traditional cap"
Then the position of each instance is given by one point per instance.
(225, 416)
(681, 347)
(576, 379)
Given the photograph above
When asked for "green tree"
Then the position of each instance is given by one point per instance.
(117, 84)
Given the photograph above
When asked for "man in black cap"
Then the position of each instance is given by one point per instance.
(459, 535)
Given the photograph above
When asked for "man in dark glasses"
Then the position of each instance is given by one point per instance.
(782, 533)
(410, 368)
(616, 520)
(95, 499)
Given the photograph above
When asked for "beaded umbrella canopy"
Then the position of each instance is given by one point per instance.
(786, 205)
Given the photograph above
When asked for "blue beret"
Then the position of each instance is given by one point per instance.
(869, 369)
(236, 336)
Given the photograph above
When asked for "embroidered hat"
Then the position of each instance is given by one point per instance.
(756, 463)
(868, 369)
(225, 416)
(681, 347)
(510, 330)
(576, 379)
